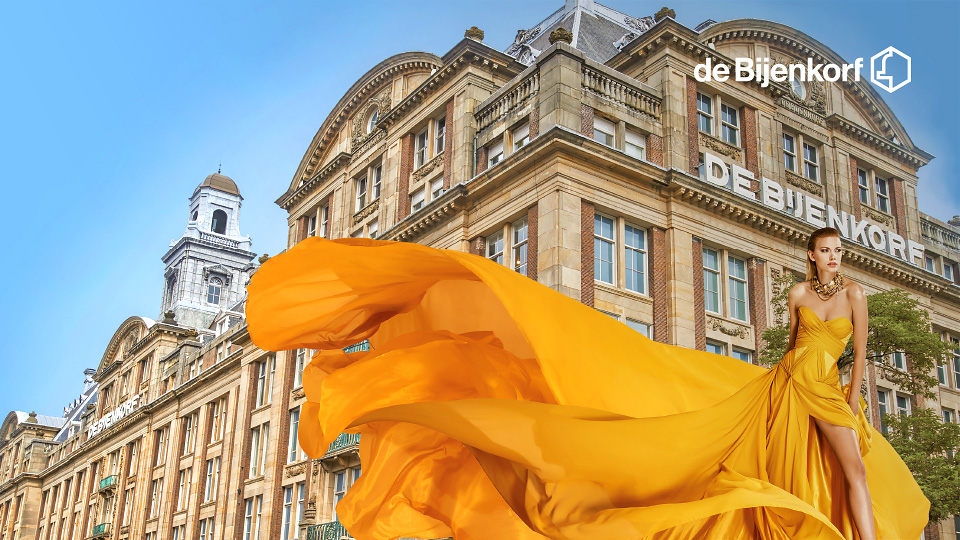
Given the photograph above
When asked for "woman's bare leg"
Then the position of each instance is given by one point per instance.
(843, 441)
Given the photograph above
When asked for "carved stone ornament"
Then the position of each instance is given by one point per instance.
(663, 13)
(220, 271)
(641, 25)
(295, 469)
(298, 393)
(366, 211)
(738, 330)
(815, 97)
(796, 180)
(382, 103)
(523, 36)
(474, 33)
(561, 34)
(876, 215)
(721, 147)
(425, 169)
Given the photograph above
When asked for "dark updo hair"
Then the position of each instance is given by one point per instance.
(826, 232)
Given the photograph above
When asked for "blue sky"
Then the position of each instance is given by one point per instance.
(112, 113)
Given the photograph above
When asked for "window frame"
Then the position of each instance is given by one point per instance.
(420, 146)
(418, 199)
(439, 135)
(520, 135)
(628, 143)
(883, 199)
(643, 250)
(728, 127)
(498, 245)
(789, 155)
(609, 138)
(495, 152)
(811, 164)
(598, 242)
(705, 118)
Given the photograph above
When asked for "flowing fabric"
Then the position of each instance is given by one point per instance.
(493, 407)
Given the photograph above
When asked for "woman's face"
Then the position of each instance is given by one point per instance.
(827, 254)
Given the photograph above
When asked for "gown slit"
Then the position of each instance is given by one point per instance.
(490, 406)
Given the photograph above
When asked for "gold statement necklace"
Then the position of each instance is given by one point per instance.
(830, 289)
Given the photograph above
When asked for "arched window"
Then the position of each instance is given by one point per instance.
(219, 225)
(213, 291)
(372, 120)
(171, 283)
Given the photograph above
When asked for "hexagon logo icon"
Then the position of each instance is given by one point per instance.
(883, 65)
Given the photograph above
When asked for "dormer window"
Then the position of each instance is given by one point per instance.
(219, 224)
(214, 289)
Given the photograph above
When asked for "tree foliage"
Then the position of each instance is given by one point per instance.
(931, 450)
(897, 323)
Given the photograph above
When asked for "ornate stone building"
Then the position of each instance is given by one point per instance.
(588, 157)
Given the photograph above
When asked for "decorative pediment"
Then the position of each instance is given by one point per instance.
(219, 271)
(124, 339)
(379, 104)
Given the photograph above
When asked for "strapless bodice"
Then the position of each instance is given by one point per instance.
(831, 335)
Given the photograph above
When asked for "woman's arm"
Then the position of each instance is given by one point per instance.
(792, 298)
(858, 301)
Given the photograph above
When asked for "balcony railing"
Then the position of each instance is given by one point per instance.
(343, 441)
(327, 531)
(108, 482)
(508, 99)
(100, 531)
(621, 90)
(219, 240)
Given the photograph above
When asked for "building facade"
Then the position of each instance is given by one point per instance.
(586, 156)
(589, 157)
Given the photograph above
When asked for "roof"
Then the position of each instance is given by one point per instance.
(598, 31)
(220, 182)
(42, 419)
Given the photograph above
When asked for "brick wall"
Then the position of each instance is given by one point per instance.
(586, 253)
(478, 245)
(533, 217)
(750, 145)
(586, 122)
(757, 281)
(655, 149)
(481, 159)
(301, 229)
(872, 395)
(406, 167)
(283, 444)
(448, 147)
(658, 283)
(855, 194)
(693, 137)
(699, 311)
(898, 208)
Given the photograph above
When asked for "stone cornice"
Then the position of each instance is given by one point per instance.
(727, 205)
(448, 205)
(467, 52)
(287, 200)
(862, 135)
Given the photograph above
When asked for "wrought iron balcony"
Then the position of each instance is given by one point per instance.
(343, 441)
(100, 531)
(109, 482)
(327, 531)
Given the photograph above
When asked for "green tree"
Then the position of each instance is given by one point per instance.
(931, 450)
(897, 323)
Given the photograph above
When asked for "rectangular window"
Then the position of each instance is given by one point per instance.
(635, 145)
(416, 200)
(643, 328)
(942, 373)
(956, 362)
(737, 269)
(287, 512)
(742, 354)
(189, 433)
(883, 399)
(716, 347)
(635, 263)
(948, 416)
(883, 198)
(711, 280)
(156, 492)
(324, 215)
(903, 405)
(948, 270)
(436, 188)
(361, 193)
(930, 265)
(603, 131)
(298, 370)
(294, 432)
(255, 452)
(729, 125)
(206, 529)
(495, 247)
(603, 243)
(863, 186)
(810, 162)
(439, 135)
(899, 360)
(263, 395)
(521, 136)
(213, 478)
(183, 495)
(789, 152)
(301, 496)
(376, 178)
(251, 522)
(519, 228)
(420, 149)
(704, 113)
(312, 226)
(339, 489)
(372, 229)
(179, 532)
(495, 153)
(160, 447)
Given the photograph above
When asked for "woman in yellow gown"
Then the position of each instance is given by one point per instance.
(491, 407)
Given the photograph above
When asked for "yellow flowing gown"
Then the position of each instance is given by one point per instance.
(491, 407)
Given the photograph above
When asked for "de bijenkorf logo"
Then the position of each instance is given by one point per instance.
(888, 66)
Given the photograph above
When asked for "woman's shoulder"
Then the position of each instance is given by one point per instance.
(798, 289)
(852, 287)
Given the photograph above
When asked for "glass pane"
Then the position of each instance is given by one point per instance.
(711, 259)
